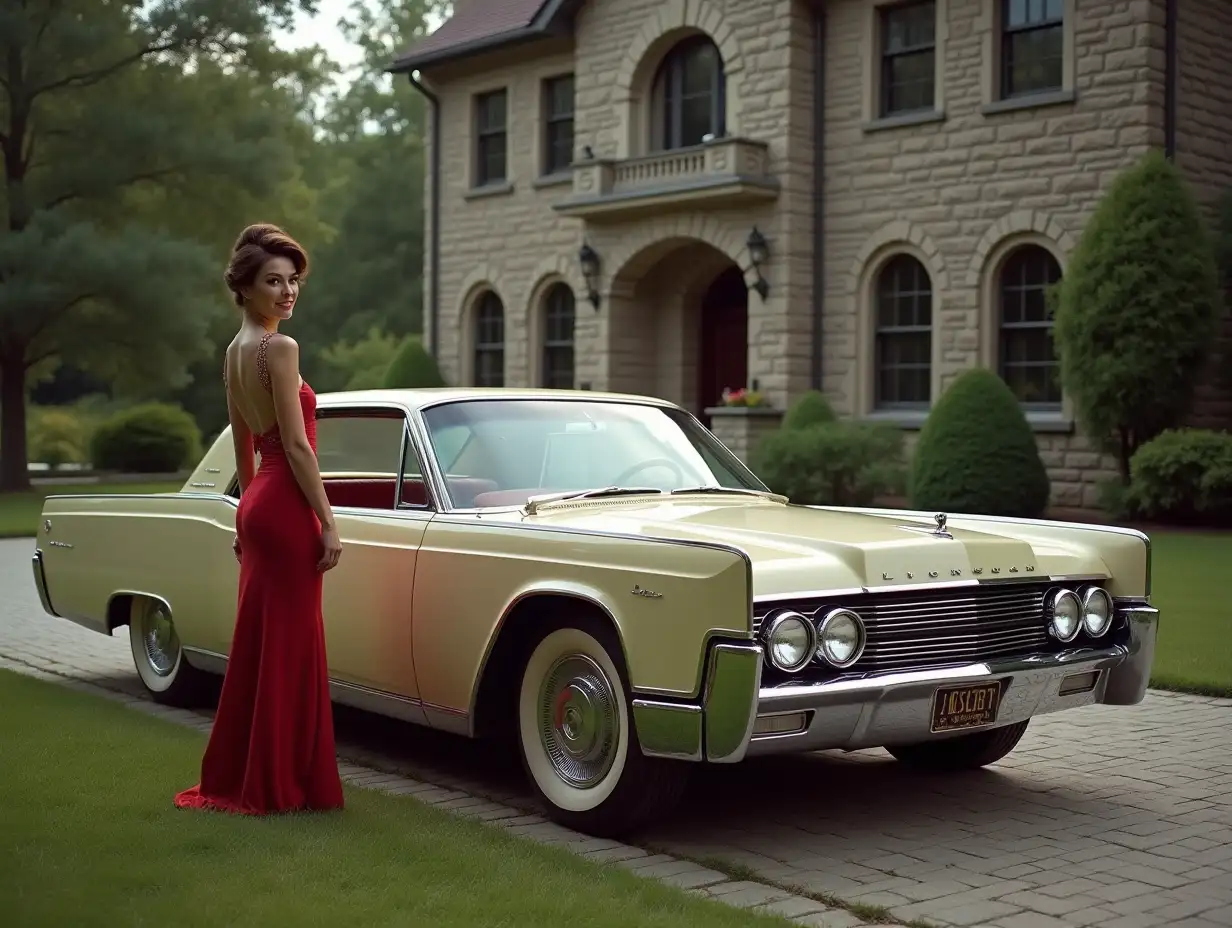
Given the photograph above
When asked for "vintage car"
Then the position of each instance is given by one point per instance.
(600, 579)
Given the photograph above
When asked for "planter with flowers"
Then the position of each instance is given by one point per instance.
(741, 419)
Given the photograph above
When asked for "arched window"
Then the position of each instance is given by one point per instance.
(558, 317)
(1026, 359)
(490, 341)
(688, 97)
(903, 335)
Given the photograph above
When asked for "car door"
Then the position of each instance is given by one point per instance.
(374, 481)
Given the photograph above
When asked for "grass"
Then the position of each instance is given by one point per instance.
(91, 838)
(1188, 572)
(19, 512)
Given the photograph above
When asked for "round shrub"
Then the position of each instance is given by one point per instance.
(57, 437)
(838, 463)
(153, 438)
(413, 367)
(1183, 476)
(977, 454)
(810, 409)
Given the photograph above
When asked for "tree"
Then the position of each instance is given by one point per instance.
(120, 123)
(1136, 309)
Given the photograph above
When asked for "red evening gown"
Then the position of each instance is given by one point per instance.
(272, 745)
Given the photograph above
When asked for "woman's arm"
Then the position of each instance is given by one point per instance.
(282, 358)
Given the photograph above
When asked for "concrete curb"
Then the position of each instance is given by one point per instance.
(682, 874)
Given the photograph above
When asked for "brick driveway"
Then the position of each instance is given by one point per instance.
(1116, 817)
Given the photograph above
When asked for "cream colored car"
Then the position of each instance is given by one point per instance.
(598, 576)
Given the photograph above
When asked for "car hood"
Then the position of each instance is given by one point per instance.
(800, 548)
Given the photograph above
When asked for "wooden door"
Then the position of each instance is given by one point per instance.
(723, 359)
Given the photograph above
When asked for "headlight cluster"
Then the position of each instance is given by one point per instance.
(792, 640)
(1071, 612)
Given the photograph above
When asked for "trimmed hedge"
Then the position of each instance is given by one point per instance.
(153, 438)
(839, 463)
(810, 409)
(977, 453)
(1183, 476)
(413, 367)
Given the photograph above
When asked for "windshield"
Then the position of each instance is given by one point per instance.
(506, 451)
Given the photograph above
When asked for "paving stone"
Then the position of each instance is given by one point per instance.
(792, 907)
(696, 878)
(831, 918)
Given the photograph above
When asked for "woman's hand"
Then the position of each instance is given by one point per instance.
(331, 548)
(235, 546)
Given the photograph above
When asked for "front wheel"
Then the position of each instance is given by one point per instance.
(577, 738)
(966, 752)
(159, 658)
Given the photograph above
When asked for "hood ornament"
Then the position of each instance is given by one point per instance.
(941, 531)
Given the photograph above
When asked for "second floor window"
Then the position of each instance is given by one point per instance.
(492, 138)
(1032, 46)
(558, 124)
(908, 57)
(689, 97)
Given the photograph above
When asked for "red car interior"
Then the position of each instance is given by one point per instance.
(378, 493)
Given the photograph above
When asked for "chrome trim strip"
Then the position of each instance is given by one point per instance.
(40, 583)
(730, 701)
(670, 730)
(1013, 520)
(775, 598)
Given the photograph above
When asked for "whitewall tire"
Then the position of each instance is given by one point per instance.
(577, 737)
(159, 656)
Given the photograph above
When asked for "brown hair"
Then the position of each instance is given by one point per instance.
(256, 245)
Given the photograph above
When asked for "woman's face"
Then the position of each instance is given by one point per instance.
(275, 290)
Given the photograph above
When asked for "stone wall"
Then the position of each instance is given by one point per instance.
(960, 187)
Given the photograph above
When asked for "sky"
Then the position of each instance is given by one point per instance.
(322, 29)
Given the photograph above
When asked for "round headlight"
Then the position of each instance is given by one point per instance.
(841, 638)
(1096, 611)
(1066, 614)
(790, 640)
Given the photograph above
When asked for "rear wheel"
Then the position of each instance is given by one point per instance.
(159, 657)
(966, 752)
(577, 738)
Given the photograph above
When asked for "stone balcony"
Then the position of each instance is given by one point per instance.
(721, 173)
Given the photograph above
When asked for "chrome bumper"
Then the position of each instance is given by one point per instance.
(40, 583)
(738, 717)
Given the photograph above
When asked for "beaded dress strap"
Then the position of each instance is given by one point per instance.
(263, 374)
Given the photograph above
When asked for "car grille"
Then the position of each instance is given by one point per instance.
(919, 629)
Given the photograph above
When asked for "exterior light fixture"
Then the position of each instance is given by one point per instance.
(759, 254)
(588, 258)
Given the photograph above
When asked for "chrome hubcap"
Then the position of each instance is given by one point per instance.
(162, 645)
(578, 721)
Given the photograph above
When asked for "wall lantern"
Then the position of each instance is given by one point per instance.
(588, 258)
(759, 253)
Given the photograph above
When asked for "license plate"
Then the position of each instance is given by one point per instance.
(956, 707)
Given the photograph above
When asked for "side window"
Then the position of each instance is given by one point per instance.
(365, 464)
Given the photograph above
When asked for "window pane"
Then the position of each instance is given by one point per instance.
(903, 342)
(908, 27)
(700, 69)
(560, 97)
(491, 115)
(696, 120)
(909, 82)
(360, 445)
(491, 158)
(559, 154)
(1027, 355)
(1033, 61)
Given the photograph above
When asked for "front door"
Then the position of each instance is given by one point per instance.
(723, 361)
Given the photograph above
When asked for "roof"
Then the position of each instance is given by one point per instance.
(479, 26)
(419, 399)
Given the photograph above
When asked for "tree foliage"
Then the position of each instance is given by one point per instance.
(1136, 309)
(124, 128)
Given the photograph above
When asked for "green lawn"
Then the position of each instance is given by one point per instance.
(19, 512)
(90, 837)
(1189, 570)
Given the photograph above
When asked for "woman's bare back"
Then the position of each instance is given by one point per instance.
(244, 366)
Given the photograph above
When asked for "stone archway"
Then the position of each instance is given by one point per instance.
(678, 323)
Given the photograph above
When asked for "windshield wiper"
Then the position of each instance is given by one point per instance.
(536, 501)
(710, 488)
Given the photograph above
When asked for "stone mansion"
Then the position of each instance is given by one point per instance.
(670, 197)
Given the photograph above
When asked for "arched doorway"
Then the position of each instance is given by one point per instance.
(723, 353)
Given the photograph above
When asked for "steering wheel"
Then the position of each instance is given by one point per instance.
(646, 465)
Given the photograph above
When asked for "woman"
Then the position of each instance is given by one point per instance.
(272, 745)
